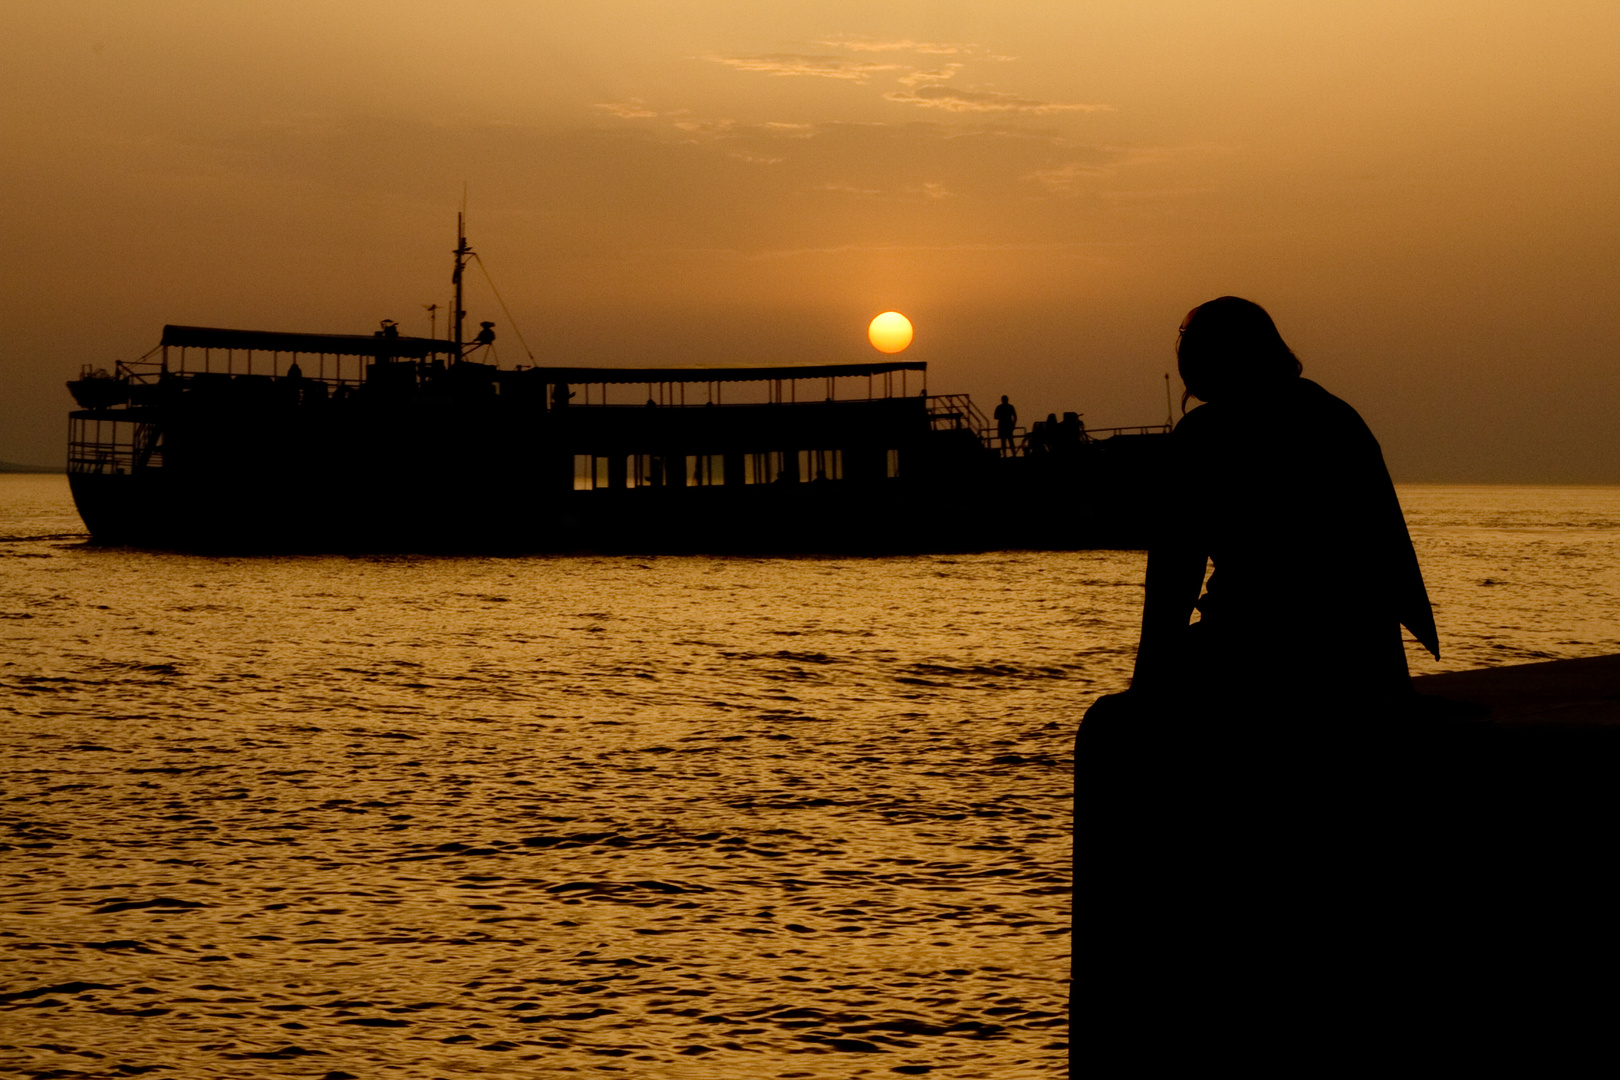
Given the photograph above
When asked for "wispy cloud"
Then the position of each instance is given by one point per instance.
(932, 48)
(1067, 179)
(951, 99)
(926, 78)
(718, 129)
(921, 48)
(784, 130)
(703, 127)
(825, 67)
(927, 191)
(850, 189)
(634, 109)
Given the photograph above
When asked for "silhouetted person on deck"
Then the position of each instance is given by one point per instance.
(1006, 420)
(1242, 822)
(1043, 435)
(293, 389)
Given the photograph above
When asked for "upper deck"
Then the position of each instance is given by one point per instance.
(252, 387)
(344, 360)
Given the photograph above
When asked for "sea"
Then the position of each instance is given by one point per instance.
(691, 818)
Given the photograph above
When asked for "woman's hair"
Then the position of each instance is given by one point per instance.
(1231, 345)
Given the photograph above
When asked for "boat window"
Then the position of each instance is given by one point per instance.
(821, 465)
(590, 473)
(893, 469)
(644, 470)
(763, 468)
(705, 470)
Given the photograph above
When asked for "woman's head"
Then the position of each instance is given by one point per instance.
(1230, 346)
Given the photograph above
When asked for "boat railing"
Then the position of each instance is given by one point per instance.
(106, 460)
(957, 412)
(111, 443)
(1139, 429)
(340, 371)
(627, 407)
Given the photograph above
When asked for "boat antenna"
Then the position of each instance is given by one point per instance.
(461, 253)
(433, 319)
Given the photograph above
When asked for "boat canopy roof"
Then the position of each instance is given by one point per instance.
(719, 374)
(208, 337)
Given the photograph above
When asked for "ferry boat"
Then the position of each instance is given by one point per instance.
(254, 441)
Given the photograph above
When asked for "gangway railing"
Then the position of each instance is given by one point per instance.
(955, 412)
(1139, 429)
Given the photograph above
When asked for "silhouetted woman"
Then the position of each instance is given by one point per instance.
(1281, 486)
(1225, 806)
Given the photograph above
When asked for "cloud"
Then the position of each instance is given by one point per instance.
(850, 189)
(634, 109)
(924, 78)
(984, 101)
(826, 67)
(784, 130)
(704, 127)
(932, 48)
(928, 190)
(1066, 179)
(683, 121)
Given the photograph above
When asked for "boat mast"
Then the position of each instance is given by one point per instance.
(461, 253)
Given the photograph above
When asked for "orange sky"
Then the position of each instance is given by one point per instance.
(1423, 194)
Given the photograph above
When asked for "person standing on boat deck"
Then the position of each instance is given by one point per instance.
(561, 396)
(1006, 419)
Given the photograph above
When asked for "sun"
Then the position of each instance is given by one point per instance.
(890, 332)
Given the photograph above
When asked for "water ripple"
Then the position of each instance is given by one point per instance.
(678, 817)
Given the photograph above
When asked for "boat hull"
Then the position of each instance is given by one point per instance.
(1006, 507)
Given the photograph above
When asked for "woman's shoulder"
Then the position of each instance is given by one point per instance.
(1300, 409)
(1323, 406)
(1205, 417)
(1313, 392)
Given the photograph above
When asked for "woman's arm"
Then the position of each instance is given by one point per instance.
(1175, 573)
(1176, 555)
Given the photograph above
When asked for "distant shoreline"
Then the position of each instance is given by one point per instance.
(13, 467)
